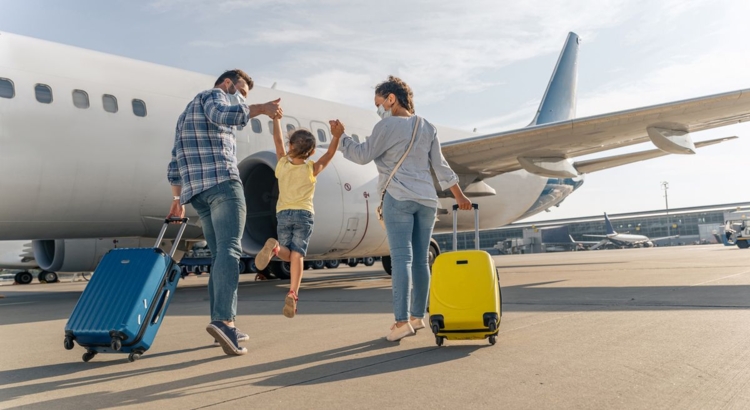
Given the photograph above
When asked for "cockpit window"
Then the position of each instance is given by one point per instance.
(80, 99)
(43, 93)
(139, 108)
(6, 88)
(110, 103)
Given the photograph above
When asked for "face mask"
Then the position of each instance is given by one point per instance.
(236, 98)
(383, 113)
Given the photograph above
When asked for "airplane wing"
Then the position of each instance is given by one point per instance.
(545, 149)
(596, 236)
(664, 237)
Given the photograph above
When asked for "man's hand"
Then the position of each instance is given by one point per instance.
(273, 109)
(177, 210)
(337, 128)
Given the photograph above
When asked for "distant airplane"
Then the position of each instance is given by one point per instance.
(625, 239)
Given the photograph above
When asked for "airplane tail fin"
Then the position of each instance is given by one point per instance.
(608, 225)
(559, 101)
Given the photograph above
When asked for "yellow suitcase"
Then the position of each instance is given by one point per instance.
(465, 297)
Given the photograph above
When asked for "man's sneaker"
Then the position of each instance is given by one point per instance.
(398, 333)
(241, 337)
(290, 304)
(417, 324)
(264, 256)
(227, 337)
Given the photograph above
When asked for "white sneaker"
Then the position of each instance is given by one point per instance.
(417, 324)
(398, 333)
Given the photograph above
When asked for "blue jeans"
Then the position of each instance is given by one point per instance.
(222, 212)
(409, 226)
(294, 229)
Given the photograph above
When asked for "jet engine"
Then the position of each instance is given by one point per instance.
(78, 255)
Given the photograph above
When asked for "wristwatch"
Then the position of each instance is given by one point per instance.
(176, 198)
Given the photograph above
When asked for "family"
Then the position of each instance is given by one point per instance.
(203, 172)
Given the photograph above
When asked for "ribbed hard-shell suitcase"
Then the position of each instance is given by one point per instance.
(465, 297)
(124, 303)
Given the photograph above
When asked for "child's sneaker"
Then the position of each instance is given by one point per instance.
(290, 304)
(264, 256)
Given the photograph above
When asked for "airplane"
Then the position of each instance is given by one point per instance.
(17, 255)
(625, 239)
(87, 136)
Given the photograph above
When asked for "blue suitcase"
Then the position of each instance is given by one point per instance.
(124, 303)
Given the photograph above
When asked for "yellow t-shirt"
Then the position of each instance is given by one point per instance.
(296, 185)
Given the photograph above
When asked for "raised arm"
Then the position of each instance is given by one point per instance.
(367, 151)
(220, 112)
(323, 161)
(278, 139)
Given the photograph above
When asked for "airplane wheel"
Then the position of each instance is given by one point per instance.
(281, 270)
(253, 268)
(333, 264)
(243, 266)
(353, 263)
(743, 244)
(24, 278)
(318, 264)
(48, 277)
(386, 261)
(369, 261)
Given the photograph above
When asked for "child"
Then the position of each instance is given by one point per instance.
(294, 209)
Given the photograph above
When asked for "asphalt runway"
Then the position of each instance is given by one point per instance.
(662, 328)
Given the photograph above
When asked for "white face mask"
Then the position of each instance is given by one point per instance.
(382, 112)
(237, 98)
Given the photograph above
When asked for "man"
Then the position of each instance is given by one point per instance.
(203, 172)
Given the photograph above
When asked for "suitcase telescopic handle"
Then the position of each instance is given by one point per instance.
(455, 226)
(183, 224)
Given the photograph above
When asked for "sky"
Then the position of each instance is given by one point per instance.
(482, 64)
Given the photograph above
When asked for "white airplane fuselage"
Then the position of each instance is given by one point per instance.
(75, 173)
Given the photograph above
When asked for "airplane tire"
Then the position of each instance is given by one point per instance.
(24, 278)
(281, 270)
(48, 277)
(386, 261)
(368, 261)
(333, 264)
(743, 244)
(318, 264)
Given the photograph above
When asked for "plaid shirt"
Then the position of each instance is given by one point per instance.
(205, 149)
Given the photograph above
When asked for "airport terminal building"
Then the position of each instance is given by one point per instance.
(693, 225)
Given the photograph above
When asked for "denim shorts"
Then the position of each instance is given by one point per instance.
(294, 228)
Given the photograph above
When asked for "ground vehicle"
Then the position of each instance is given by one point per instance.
(737, 229)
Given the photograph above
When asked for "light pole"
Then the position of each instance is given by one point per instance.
(665, 187)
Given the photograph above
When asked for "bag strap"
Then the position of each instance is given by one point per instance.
(403, 157)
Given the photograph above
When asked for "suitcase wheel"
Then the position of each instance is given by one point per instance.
(116, 345)
(133, 356)
(439, 340)
(88, 355)
(493, 339)
(68, 343)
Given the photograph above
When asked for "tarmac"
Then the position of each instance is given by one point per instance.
(661, 328)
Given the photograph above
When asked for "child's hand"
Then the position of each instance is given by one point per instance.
(337, 128)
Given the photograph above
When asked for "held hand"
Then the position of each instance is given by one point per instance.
(463, 202)
(177, 210)
(337, 128)
(273, 109)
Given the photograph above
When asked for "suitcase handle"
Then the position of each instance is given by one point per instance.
(160, 307)
(183, 224)
(455, 226)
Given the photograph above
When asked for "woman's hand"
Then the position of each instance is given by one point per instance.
(337, 128)
(463, 202)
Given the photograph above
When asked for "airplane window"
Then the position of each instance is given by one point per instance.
(289, 127)
(356, 138)
(139, 108)
(6, 88)
(255, 124)
(43, 93)
(110, 103)
(80, 99)
(322, 135)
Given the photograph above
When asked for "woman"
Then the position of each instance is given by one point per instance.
(410, 202)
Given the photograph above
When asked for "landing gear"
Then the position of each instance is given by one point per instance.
(368, 261)
(243, 266)
(333, 264)
(48, 277)
(352, 263)
(281, 270)
(318, 264)
(386, 261)
(24, 278)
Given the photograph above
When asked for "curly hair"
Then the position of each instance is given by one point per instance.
(301, 144)
(400, 89)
